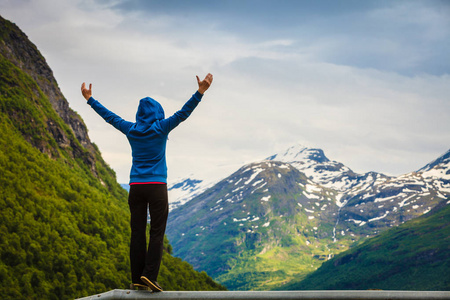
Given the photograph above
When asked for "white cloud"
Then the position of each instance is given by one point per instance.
(267, 94)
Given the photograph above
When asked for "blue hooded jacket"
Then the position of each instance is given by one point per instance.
(148, 135)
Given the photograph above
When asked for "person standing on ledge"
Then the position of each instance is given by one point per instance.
(148, 177)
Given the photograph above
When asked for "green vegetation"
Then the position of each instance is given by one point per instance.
(412, 256)
(177, 275)
(64, 219)
(271, 267)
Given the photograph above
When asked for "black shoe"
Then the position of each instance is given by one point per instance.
(153, 285)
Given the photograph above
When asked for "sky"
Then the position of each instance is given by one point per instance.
(366, 81)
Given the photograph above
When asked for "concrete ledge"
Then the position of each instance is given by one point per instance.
(222, 295)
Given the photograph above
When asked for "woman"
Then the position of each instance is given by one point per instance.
(148, 177)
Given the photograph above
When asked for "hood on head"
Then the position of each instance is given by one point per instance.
(149, 111)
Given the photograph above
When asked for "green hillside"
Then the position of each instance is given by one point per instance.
(64, 219)
(412, 256)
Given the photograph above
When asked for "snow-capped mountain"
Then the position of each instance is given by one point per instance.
(312, 162)
(372, 202)
(438, 169)
(258, 208)
(298, 204)
(392, 201)
(183, 190)
(331, 174)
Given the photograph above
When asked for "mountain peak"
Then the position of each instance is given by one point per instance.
(443, 160)
(18, 51)
(438, 169)
(316, 166)
(298, 153)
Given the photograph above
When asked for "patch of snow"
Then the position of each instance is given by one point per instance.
(259, 188)
(354, 221)
(253, 176)
(237, 189)
(409, 191)
(441, 196)
(389, 198)
(379, 218)
(368, 195)
(437, 173)
(266, 224)
(310, 196)
(241, 220)
(266, 198)
(338, 200)
(258, 182)
(403, 203)
(312, 188)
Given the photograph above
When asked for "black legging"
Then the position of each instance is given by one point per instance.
(154, 196)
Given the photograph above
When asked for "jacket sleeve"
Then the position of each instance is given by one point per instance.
(170, 123)
(110, 117)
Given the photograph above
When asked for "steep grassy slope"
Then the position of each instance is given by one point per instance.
(412, 256)
(64, 219)
(63, 231)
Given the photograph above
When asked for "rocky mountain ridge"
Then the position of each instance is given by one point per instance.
(17, 49)
(299, 205)
(366, 199)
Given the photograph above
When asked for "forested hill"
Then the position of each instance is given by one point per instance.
(412, 256)
(64, 219)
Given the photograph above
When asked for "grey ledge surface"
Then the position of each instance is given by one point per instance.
(323, 295)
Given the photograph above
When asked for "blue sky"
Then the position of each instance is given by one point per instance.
(366, 81)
